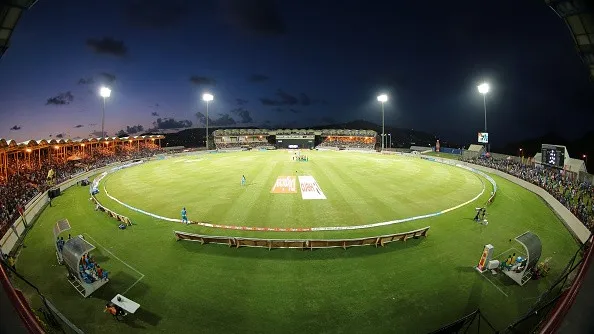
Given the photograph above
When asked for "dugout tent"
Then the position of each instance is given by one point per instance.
(61, 226)
(533, 248)
(72, 253)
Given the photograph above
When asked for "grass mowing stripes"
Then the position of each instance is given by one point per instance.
(415, 287)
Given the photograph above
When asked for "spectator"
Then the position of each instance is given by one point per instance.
(577, 196)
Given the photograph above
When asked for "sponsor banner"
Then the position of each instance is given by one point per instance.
(310, 188)
(284, 185)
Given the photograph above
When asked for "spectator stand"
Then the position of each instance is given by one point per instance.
(533, 247)
(71, 254)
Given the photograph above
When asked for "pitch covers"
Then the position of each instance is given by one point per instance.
(310, 188)
(284, 185)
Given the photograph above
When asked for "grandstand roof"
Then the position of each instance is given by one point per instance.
(10, 13)
(10, 144)
(575, 165)
(579, 17)
(475, 148)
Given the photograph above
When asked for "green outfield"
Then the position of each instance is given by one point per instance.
(411, 287)
(359, 188)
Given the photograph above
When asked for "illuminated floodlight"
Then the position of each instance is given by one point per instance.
(105, 92)
(382, 98)
(207, 97)
(483, 88)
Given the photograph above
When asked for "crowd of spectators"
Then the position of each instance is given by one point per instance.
(576, 195)
(362, 143)
(27, 179)
(240, 144)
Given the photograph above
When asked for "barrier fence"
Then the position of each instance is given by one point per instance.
(237, 242)
(111, 213)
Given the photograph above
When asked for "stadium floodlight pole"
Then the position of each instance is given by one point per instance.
(383, 98)
(390, 136)
(105, 93)
(206, 97)
(484, 89)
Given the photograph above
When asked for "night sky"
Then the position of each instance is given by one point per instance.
(294, 64)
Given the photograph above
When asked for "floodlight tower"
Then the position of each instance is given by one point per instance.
(484, 89)
(105, 93)
(206, 97)
(383, 98)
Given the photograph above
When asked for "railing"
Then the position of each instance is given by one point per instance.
(18, 300)
(301, 243)
(557, 315)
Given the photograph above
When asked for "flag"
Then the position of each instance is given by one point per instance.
(21, 211)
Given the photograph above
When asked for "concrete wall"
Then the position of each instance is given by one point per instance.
(34, 208)
(574, 225)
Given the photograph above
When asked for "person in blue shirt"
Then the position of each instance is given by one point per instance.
(184, 215)
(243, 181)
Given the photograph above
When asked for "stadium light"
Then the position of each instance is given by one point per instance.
(383, 98)
(484, 89)
(206, 97)
(104, 92)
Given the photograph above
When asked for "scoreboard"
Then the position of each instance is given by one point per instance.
(553, 155)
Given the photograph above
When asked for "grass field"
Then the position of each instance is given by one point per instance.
(361, 188)
(187, 287)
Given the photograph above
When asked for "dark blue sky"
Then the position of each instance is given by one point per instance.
(294, 64)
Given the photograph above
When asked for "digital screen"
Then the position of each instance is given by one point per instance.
(483, 137)
(553, 155)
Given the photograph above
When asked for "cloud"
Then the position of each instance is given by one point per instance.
(284, 99)
(223, 120)
(134, 129)
(170, 123)
(294, 111)
(155, 14)
(259, 17)
(155, 114)
(79, 126)
(61, 99)
(241, 102)
(15, 128)
(86, 81)
(60, 135)
(98, 134)
(305, 100)
(107, 78)
(202, 81)
(278, 109)
(258, 78)
(156, 105)
(108, 46)
(242, 113)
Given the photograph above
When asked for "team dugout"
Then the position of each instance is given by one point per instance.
(295, 138)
